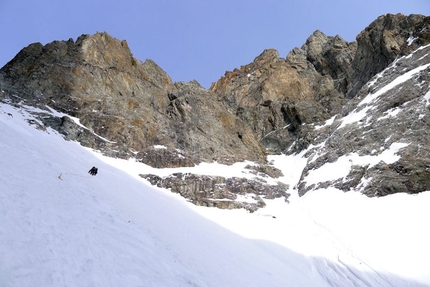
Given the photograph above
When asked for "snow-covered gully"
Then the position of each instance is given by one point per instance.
(114, 229)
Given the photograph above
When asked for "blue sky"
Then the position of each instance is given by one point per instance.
(192, 39)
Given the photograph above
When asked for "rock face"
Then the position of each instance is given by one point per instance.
(216, 191)
(275, 97)
(133, 105)
(390, 111)
(329, 100)
(382, 41)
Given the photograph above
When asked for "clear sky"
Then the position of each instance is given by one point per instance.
(192, 39)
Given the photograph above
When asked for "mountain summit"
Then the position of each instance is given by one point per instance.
(364, 104)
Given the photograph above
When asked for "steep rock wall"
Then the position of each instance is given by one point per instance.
(133, 104)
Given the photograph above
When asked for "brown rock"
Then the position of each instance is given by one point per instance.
(133, 105)
(275, 96)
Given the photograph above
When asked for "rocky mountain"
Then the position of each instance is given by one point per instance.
(134, 105)
(330, 100)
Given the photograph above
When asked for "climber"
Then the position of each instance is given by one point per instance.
(93, 171)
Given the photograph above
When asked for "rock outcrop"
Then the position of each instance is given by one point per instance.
(216, 191)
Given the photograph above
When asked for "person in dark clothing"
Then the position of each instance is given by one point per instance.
(93, 171)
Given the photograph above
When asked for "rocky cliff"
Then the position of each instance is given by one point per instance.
(276, 95)
(132, 104)
(329, 100)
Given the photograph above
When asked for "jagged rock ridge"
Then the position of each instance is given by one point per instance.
(272, 105)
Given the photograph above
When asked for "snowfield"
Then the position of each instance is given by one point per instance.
(59, 226)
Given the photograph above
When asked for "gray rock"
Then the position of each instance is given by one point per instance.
(215, 191)
(382, 41)
(400, 115)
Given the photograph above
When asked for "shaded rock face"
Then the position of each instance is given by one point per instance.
(382, 41)
(329, 56)
(133, 105)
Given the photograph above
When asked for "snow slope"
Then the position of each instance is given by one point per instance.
(61, 227)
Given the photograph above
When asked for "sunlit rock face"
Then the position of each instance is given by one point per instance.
(362, 104)
(275, 96)
(132, 104)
